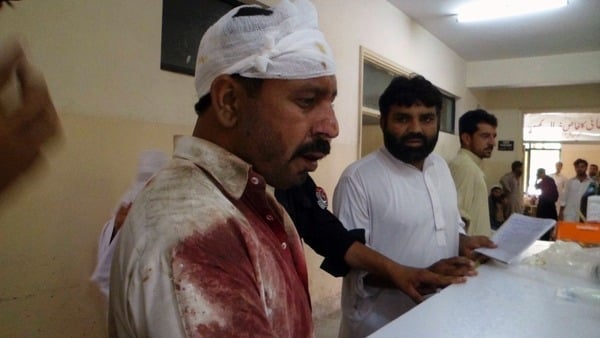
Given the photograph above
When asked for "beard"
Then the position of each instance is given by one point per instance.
(398, 148)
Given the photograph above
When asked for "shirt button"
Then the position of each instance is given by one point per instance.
(284, 245)
(269, 218)
(254, 180)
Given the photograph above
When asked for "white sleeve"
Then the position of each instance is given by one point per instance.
(563, 198)
(350, 205)
(101, 274)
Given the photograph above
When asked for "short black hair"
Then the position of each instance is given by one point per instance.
(515, 165)
(407, 91)
(251, 85)
(469, 121)
(252, 11)
(580, 160)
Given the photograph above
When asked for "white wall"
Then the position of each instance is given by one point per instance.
(102, 57)
(552, 70)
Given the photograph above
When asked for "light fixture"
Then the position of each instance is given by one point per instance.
(493, 9)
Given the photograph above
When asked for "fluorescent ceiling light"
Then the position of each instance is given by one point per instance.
(493, 9)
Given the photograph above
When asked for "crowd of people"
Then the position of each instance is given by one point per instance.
(560, 198)
(202, 246)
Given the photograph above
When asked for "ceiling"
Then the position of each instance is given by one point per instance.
(571, 29)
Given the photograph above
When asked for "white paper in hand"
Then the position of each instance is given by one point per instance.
(515, 236)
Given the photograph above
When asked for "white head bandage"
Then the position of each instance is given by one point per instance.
(286, 44)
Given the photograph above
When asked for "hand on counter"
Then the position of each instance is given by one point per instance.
(469, 243)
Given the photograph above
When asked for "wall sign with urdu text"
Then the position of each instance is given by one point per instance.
(507, 145)
(558, 127)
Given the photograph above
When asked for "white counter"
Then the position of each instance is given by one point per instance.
(502, 301)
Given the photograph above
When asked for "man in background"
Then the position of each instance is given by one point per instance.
(547, 198)
(561, 183)
(511, 183)
(574, 190)
(498, 203)
(477, 133)
(403, 198)
(593, 172)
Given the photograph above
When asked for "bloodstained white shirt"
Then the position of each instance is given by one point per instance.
(206, 251)
(409, 215)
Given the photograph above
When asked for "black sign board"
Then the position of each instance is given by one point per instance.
(506, 145)
(183, 24)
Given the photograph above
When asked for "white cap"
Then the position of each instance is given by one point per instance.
(284, 43)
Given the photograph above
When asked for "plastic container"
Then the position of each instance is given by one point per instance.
(568, 258)
(579, 294)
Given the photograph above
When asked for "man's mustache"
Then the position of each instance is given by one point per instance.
(412, 136)
(318, 146)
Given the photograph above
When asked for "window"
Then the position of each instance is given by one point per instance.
(448, 113)
(539, 155)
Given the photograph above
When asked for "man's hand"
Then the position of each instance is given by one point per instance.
(32, 123)
(469, 243)
(386, 273)
(418, 282)
(454, 266)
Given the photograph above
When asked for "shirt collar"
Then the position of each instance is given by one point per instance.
(472, 156)
(228, 170)
(426, 164)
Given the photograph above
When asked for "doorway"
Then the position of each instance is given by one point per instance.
(539, 155)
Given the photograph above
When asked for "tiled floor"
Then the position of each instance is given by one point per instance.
(328, 326)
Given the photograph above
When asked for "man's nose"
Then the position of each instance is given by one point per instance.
(414, 126)
(327, 126)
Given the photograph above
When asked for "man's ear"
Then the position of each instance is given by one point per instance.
(465, 139)
(224, 93)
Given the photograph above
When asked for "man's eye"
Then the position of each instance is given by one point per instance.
(427, 118)
(306, 101)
